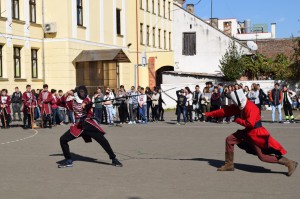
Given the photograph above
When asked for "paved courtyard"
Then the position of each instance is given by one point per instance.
(161, 160)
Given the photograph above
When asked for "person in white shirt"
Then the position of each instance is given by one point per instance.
(189, 103)
(142, 99)
(109, 107)
(155, 98)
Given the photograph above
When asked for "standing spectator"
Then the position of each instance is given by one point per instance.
(210, 87)
(123, 110)
(253, 96)
(54, 106)
(37, 112)
(149, 102)
(142, 98)
(67, 101)
(216, 101)
(181, 106)
(196, 103)
(189, 103)
(16, 101)
(276, 100)
(226, 101)
(97, 98)
(262, 96)
(61, 108)
(161, 110)
(246, 91)
(155, 99)
(287, 104)
(220, 88)
(45, 99)
(29, 104)
(133, 105)
(206, 102)
(5, 103)
(108, 104)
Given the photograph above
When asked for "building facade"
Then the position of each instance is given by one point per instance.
(91, 42)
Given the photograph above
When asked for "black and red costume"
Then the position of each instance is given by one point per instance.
(44, 101)
(86, 127)
(29, 104)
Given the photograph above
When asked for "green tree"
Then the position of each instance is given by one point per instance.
(295, 66)
(281, 66)
(230, 64)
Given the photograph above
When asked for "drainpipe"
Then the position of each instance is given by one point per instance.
(43, 42)
(137, 42)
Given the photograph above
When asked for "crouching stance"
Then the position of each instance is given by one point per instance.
(254, 139)
(86, 127)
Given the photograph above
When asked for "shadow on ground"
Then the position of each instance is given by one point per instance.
(76, 157)
(215, 163)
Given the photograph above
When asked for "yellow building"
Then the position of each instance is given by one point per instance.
(92, 42)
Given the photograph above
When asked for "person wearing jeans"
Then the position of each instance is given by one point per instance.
(276, 100)
(97, 98)
(133, 105)
(109, 107)
(143, 106)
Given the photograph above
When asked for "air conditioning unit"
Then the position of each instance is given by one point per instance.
(50, 27)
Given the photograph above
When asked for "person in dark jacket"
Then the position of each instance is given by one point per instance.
(181, 106)
(161, 109)
(216, 101)
(16, 101)
(262, 96)
(276, 100)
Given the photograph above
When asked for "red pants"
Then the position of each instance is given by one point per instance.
(241, 136)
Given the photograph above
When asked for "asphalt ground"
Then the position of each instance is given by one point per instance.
(161, 160)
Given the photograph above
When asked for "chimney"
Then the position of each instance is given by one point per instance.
(180, 2)
(273, 30)
(190, 8)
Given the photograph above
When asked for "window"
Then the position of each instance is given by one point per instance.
(158, 7)
(15, 9)
(32, 10)
(34, 63)
(147, 5)
(164, 8)
(141, 34)
(148, 36)
(159, 43)
(141, 4)
(169, 9)
(170, 41)
(17, 62)
(165, 39)
(153, 7)
(1, 70)
(118, 21)
(189, 44)
(153, 36)
(79, 13)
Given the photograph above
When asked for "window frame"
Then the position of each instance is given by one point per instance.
(36, 61)
(190, 50)
(148, 35)
(159, 38)
(153, 36)
(19, 59)
(158, 7)
(141, 33)
(1, 66)
(153, 7)
(169, 10)
(165, 39)
(32, 7)
(141, 4)
(118, 21)
(164, 8)
(79, 8)
(170, 40)
(14, 11)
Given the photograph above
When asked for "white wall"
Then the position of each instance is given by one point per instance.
(254, 36)
(211, 44)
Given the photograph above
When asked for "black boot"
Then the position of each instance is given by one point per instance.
(116, 163)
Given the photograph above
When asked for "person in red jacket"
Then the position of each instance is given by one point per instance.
(54, 106)
(86, 126)
(5, 103)
(45, 99)
(29, 104)
(254, 139)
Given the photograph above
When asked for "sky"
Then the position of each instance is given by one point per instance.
(285, 13)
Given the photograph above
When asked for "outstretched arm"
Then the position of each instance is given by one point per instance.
(224, 112)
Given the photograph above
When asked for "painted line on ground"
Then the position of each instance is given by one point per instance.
(9, 142)
(187, 126)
